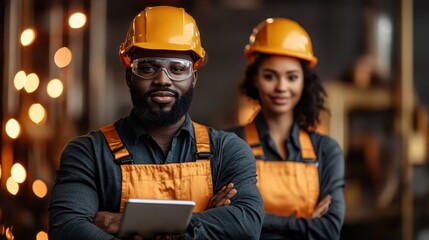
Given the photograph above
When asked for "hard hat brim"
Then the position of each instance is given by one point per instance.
(249, 52)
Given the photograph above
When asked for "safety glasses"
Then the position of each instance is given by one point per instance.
(149, 68)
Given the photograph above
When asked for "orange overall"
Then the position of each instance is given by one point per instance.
(177, 181)
(287, 187)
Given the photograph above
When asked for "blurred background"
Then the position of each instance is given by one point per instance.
(61, 77)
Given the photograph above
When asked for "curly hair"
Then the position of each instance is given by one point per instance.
(312, 101)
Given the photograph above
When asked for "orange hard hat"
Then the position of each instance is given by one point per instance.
(163, 28)
(281, 36)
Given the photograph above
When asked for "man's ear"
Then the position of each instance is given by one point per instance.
(194, 79)
(128, 75)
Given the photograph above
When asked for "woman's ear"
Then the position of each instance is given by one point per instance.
(128, 75)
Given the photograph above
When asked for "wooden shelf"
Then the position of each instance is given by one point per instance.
(343, 98)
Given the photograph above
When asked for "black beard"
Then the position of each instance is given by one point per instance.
(161, 118)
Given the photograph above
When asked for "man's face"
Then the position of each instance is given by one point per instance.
(161, 100)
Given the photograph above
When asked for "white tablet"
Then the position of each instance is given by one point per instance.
(149, 217)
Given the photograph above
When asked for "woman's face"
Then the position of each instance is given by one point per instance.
(280, 81)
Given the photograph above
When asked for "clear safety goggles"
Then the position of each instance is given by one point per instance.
(149, 68)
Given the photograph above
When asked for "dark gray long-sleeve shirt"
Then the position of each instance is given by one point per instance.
(89, 181)
(331, 179)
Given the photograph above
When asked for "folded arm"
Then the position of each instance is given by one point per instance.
(242, 218)
(74, 197)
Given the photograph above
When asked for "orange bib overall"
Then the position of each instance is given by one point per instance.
(177, 181)
(287, 187)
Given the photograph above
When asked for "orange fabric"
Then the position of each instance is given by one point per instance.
(202, 138)
(252, 138)
(115, 144)
(307, 150)
(287, 187)
(179, 181)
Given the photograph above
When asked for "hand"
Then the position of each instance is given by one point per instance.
(322, 207)
(108, 221)
(223, 197)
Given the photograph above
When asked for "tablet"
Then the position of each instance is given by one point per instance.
(149, 217)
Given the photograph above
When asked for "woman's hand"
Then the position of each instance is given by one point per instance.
(322, 208)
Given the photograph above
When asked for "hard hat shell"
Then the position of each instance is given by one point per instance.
(281, 36)
(163, 28)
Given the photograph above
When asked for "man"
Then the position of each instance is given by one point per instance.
(157, 151)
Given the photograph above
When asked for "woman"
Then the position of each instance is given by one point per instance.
(300, 171)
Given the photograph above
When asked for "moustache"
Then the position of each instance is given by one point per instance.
(162, 89)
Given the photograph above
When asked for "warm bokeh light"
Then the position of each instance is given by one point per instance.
(19, 80)
(0, 176)
(39, 188)
(42, 236)
(12, 186)
(27, 37)
(32, 83)
(12, 128)
(77, 20)
(62, 57)
(55, 88)
(18, 172)
(9, 233)
(36, 112)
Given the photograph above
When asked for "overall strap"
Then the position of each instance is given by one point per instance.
(118, 149)
(202, 140)
(307, 149)
(252, 138)
(122, 155)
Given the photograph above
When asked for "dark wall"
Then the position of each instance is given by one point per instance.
(421, 50)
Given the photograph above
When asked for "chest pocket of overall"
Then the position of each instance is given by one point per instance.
(287, 188)
(177, 181)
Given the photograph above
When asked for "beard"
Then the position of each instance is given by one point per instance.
(161, 117)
